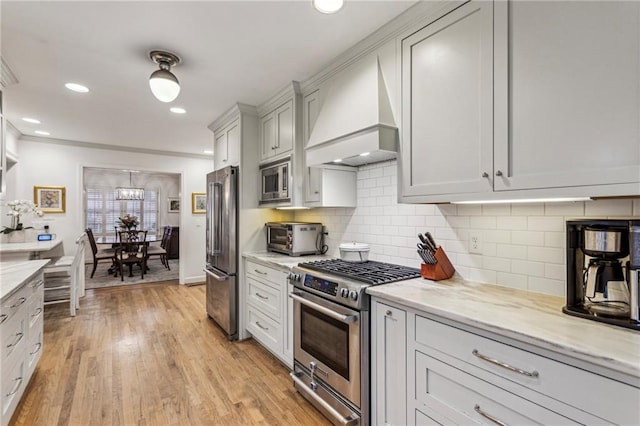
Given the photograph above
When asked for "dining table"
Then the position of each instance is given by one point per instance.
(112, 239)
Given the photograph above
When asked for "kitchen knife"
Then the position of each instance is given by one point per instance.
(427, 244)
(431, 241)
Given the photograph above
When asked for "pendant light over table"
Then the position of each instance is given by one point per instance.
(129, 193)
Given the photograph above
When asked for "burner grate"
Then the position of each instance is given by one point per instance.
(370, 272)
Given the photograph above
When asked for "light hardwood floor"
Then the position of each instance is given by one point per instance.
(148, 355)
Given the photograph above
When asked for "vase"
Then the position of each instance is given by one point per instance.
(16, 237)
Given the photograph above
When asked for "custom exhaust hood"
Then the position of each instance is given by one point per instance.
(355, 119)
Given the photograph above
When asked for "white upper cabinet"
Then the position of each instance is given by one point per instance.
(447, 97)
(277, 132)
(227, 146)
(567, 94)
(522, 99)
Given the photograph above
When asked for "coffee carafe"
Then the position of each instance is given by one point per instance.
(603, 270)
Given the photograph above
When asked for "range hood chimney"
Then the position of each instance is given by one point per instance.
(355, 118)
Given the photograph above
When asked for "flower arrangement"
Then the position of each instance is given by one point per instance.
(18, 208)
(127, 221)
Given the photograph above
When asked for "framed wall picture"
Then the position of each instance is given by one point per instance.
(198, 203)
(173, 205)
(51, 199)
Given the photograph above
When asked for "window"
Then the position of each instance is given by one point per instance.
(103, 210)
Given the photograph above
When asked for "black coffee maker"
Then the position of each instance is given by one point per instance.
(601, 265)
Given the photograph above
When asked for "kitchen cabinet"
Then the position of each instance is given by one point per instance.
(277, 132)
(269, 309)
(501, 101)
(456, 374)
(320, 183)
(226, 150)
(21, 334)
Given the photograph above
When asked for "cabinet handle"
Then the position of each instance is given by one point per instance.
(485, 174)
(261, 296)
(18, 303)
(37, 312)
(504, 365)
(498, 172)
(488, 416)
(316, 192)
(260, 272)
(261, 326)
(38, 347)
(3, 318)
(36, 284)
(388, 313)
(15, 387)
(19, 336)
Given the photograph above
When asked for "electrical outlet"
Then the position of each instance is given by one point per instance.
(475, 242)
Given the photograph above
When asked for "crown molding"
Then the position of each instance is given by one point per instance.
(289, 91)
(7, 77)
(236, 110)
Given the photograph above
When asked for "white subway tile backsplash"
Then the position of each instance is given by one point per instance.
(522, 244)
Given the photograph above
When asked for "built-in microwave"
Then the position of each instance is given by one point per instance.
(275, 181)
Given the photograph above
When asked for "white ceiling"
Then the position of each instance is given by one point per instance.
(231, 51)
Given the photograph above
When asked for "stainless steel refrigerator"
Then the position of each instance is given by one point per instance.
(222, 245)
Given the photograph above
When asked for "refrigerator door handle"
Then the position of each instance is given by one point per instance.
(217, 211)
(219, 277)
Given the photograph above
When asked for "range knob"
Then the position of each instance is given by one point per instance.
(294, 277)
(353, 295)
(344, 292)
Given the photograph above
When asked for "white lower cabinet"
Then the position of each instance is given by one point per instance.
(269, 311)
(452, 374)
(21, 331)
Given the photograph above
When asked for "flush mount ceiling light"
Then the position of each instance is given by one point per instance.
(164, 85)
(327, 6)
(129, 193)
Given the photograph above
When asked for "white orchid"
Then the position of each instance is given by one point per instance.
(18, 208)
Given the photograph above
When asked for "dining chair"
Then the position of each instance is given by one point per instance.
(131, 251)
(64, 277)
(99, 254)
(161, 250)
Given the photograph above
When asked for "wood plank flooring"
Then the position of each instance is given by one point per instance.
(148, 355)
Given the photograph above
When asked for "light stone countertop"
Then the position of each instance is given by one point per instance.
(532, 318)
(31, 246)
(14, 273)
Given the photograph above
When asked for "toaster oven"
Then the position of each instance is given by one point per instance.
(294, 238)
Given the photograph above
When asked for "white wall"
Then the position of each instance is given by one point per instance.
(523, 245)
(53, 164)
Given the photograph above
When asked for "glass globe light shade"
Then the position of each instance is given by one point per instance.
(327, 6)
(164, 85)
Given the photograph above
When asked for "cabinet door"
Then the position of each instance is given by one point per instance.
(313, 175)
(447, 104)
(288, 327)
(285, 128)
(567, 93)
(220, 151)
(390, 367)
(268, 136)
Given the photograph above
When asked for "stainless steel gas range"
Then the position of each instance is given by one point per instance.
(331, 333)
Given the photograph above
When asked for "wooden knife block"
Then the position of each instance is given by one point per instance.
(441, 270)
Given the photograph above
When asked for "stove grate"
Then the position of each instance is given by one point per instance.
(371, 272)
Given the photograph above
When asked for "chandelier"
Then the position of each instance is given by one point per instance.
(129, 193)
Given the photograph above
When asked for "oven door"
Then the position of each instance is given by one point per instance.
(326, 340)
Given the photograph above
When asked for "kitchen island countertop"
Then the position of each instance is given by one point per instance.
(532, 318)
(14, 273)
(282, 260)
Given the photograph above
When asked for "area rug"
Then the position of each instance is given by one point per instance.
(157, 272)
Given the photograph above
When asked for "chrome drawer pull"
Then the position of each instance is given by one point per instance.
(15, 387)
(38, 347)
(3, 318)
(36, 313)
(261, 296)
(19, 336)
(504, 365)
(261, 326)
(488, 416)
(19, 302)
(260, 272)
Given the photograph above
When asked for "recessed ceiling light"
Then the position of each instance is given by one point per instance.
(178, 110)
(31, 120)
(327, 6)
(42, 132)
(208, 151)
(364, 154)
(338, 160)
(77, 87)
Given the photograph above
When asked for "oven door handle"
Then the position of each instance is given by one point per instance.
(347, 319)
(346, 421)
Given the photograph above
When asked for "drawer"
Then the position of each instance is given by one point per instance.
(274, 275)
(12, 304)
(35, 309)
(537, 373)
(34, 348)
(265, 330)
(13, 335)
(450, 396)
(36, 285)
(13, 384)
(265, 298)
